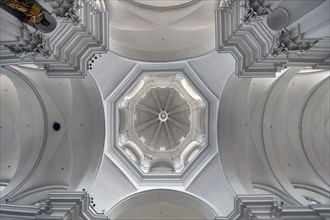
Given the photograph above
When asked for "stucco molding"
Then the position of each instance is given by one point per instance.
(72, 45)
(253, 207)
(251, 44)
(65, 206)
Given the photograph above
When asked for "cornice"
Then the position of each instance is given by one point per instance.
(72, 46)
(76, 205)
(268, 207)
(251, 44)
(66, 205)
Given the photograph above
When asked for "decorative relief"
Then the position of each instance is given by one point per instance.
(287, 44)
(67, 10)
(225, 3)
(255, 9)
(32, 44)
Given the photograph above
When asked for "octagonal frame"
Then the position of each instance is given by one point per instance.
(137, 177)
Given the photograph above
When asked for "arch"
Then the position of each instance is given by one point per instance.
(188, 151)
(313, 193)
(165, 162)
(25, 172)
(80, 130)
(262, 128)
(276, 192)
(162, 195)
(135, 149)
(318, 95)
(163, 6)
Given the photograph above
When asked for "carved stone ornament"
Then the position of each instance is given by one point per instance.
(31, 45)
(255, 9)
(286, 44)
(67, 10)
(225, 3)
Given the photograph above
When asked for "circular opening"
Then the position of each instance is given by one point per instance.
(163, 116)
(56, 126)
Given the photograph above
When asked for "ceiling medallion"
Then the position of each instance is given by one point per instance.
(161, 123)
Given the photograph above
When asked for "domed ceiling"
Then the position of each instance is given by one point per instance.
(161, 123)
(171, 123)
(158, 123)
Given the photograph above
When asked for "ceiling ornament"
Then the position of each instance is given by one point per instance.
(225, 3)
(255, 9)
(31, 45)
(162, 123)
(67, 10)
(285, 43)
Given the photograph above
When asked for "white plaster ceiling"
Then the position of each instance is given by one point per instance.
(22, 126)
(171, 31)
(277, 139)
(161, 30)
(162, 210)
(116, 178)
(35, 158)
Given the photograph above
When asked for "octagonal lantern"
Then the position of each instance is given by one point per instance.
(161, 123)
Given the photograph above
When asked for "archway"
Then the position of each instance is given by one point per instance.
(162, 204)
